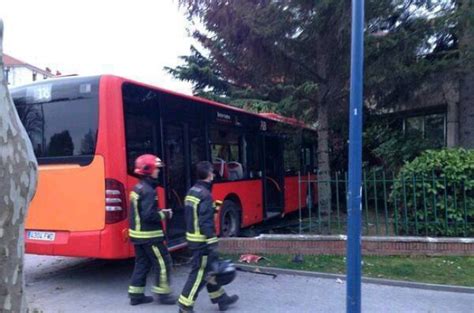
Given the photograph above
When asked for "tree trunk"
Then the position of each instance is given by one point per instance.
(466, 47)
(18, 183)
(324, 170)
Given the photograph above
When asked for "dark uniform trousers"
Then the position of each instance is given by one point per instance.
(151, 255)
(198, 278)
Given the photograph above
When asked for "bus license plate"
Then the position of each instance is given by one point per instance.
(41, 235)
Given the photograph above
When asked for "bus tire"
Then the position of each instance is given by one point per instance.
(230, 219)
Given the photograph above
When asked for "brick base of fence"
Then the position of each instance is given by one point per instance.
(336, 245)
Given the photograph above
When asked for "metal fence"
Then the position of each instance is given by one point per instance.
(412, 205)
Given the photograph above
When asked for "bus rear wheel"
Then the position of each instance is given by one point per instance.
(230, 219)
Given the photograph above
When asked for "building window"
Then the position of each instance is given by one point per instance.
(5, 73)
(431, 127)
(34, 76)
(435, 129)
(414, 125)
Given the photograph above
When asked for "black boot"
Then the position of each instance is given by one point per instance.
(167, 299)
(140, 300)
(225, 301)
(183, 309)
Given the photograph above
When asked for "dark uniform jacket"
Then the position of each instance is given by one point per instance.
(199, 212)
(145, 224)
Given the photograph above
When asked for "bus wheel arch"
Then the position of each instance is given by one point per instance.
(230, 216)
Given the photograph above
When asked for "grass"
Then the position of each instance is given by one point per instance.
(436, 270)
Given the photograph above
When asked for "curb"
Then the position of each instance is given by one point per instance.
(367, 280)
(278, 237)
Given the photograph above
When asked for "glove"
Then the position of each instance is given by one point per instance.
(168, 213)
(217, 205)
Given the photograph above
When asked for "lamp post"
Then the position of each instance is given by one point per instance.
(354, 193)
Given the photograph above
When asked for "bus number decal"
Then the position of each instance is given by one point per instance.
(41, 93)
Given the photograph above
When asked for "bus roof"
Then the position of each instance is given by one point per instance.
(268, 116)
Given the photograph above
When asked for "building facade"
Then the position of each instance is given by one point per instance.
(441, 110)
(19, 73)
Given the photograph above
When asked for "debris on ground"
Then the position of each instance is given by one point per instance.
(250, 258)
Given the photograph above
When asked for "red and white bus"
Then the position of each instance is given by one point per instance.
(87, 132)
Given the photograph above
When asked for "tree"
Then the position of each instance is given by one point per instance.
(18, 183)
(407, 43)
(292, 57)
(466, 42)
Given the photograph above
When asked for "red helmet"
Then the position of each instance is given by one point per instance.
(147, 163)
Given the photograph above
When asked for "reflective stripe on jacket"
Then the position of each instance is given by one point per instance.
(199, 212)
(145, 223)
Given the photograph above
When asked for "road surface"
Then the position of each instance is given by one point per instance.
(56, 284)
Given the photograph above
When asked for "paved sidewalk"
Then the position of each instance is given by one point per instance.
(75, 285)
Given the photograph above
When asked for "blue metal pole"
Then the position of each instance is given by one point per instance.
(354, 193)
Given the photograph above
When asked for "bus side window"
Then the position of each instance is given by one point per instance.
(141, 123)
(253, 156)
(139, 137)
(309, 153)
(315, 159)
(309, 160)
(225, 153)
(305, 160)
(291, 157)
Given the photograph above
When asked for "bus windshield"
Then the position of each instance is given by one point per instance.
(61, 119)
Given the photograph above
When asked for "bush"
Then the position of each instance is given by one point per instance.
(434, 194)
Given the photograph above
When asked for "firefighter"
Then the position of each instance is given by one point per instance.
(146, 233)
(202, 241)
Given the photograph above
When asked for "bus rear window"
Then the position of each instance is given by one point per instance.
(61, 119)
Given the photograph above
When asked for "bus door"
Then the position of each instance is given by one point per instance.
(175, 178)
(273, 176)
(184, 146)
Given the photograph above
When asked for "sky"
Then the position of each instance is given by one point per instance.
(134, 39)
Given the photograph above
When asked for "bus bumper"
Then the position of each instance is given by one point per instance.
(110, 243)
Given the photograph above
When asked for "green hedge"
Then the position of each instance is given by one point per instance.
(434, 194)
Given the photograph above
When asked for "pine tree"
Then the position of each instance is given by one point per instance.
(292, 57)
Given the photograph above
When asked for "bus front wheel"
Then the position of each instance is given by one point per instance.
(230, 219)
